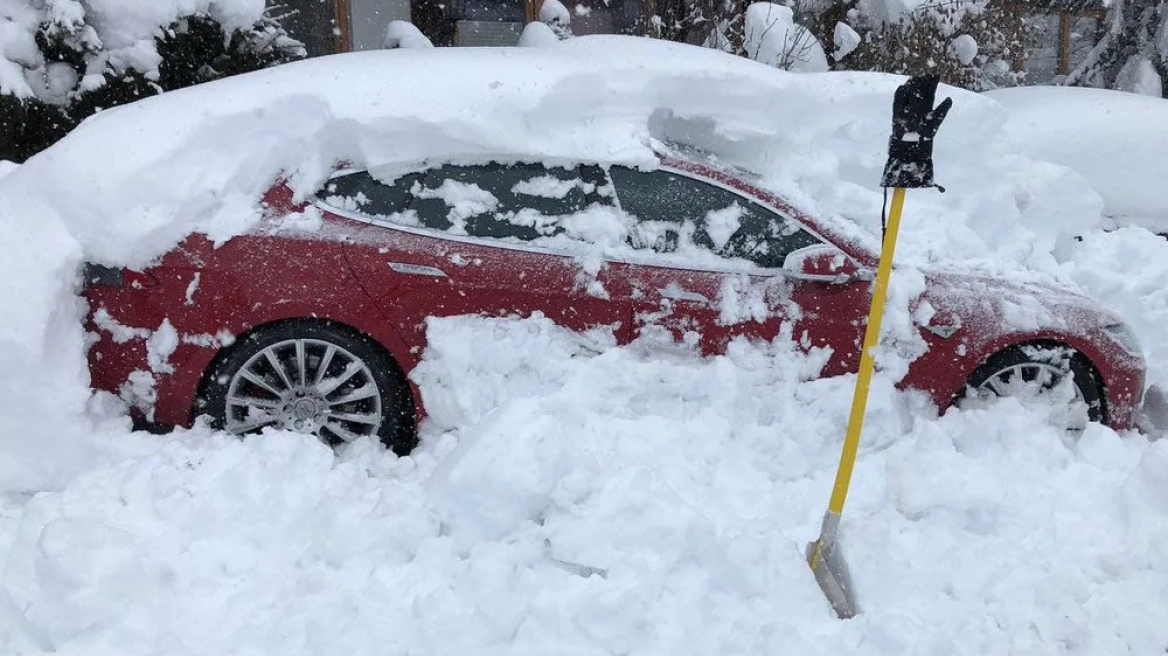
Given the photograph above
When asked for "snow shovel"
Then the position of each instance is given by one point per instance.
(910, 165)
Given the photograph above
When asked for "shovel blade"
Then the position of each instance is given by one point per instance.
(1153, 417)
(831, 573)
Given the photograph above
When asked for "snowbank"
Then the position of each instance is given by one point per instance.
(573, 508)
(1116, 140)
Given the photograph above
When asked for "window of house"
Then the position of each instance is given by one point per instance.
(511, 11)
(671, 208)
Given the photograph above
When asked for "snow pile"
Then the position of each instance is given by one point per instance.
(1115, 140)
(561, 503)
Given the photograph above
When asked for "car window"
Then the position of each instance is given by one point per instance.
(670, 207)
(360, 192)
(517, 201)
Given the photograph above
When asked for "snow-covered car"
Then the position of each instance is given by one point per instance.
(1116, 140)
(318, 331)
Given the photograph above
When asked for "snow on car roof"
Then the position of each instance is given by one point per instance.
(201, 157)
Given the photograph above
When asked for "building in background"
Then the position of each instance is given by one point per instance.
(1060, 32)
(330, 26)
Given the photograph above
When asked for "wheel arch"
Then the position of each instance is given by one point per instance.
(1082, 349)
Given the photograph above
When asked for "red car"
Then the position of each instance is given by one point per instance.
(317, 329)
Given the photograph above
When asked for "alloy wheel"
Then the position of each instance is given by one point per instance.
(1032, 381)
(305, 385)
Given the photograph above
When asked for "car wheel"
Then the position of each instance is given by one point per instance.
(1035, 373)
(311, 377)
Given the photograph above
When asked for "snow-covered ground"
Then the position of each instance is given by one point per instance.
(569, 497)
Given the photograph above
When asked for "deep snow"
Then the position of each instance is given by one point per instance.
(569, 496)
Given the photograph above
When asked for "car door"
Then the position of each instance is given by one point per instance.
(474, 239)
(710, 270)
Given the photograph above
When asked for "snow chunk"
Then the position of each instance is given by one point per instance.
(118, 332)
(465, 199)
(160, 345)
(549, 186)
(722, 224)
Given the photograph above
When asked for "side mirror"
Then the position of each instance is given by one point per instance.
(823, 263)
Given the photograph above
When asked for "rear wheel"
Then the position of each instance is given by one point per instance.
(1054, 376)
(311, 377)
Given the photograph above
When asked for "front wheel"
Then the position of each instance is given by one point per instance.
(314, 378)
(1054, 376)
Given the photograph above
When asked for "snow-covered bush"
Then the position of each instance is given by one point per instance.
(403, 34)
(63, 60)
(968, 43)
(555, 15)
(773, 37)
(537, 34)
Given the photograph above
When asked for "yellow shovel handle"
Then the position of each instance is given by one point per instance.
(843, 476)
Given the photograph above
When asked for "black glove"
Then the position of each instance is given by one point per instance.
(914, 124)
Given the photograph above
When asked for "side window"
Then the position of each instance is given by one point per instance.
(362, 193)
(519, 201)
(669, 207)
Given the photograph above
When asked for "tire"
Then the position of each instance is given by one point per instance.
(998, 376)
(350, 387)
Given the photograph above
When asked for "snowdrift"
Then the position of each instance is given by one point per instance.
(568, 496)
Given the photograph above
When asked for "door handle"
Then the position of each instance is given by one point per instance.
(676, 293)
(417, 270)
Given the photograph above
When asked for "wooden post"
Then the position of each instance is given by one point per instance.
(531, 8)
(1064, 43)
(343, 21)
